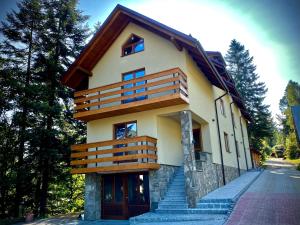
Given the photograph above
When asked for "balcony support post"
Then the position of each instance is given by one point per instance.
(189, 158)
(92, 196)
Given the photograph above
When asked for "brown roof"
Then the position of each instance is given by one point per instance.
(113, 26)
(77, 75)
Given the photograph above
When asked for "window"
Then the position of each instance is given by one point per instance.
(226, 142)
(233, 120)
(238, 149)
(133, 75)
(222, 108)
(123, 131)
(133, 45)
(197, 142)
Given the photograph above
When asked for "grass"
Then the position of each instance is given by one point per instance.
(296, 162)
(293, 161)
(9, 221)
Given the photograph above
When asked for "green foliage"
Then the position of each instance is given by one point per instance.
(243, 71)
(287, 134)
(298, 167)
(40, 40)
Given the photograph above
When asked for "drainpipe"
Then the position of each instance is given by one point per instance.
(235, 142)
(244, 145)
(219, 135)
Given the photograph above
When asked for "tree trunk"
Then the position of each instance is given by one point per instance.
(20, 154)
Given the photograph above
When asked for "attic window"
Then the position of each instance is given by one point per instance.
(133, 45)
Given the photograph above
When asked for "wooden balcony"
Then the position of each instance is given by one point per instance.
(166, 88)
(114, 156)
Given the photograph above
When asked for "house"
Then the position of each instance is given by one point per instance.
(296, 119)
(256, 158)
(154, 102)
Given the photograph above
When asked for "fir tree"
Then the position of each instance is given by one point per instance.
(242, 69)
(290, 98)
(40, 41)
(18, 50)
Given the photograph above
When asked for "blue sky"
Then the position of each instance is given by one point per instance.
(270, 29)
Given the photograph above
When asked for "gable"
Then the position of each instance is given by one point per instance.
(80, 70)
(159, 55)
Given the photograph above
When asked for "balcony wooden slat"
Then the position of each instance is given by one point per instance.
(84, 147)
(122, 98)
(124, 90)
(114, 150)
(122, 83)
(93, 104)
(142, 152)
(138, 106)
(113, 159)
(117, 168)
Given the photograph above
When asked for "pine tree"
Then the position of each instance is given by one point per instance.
(241, 67)
(18, 50)
(40, 41)
(290, 98)
(63, 35)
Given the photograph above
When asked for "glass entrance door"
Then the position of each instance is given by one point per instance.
(125, 195)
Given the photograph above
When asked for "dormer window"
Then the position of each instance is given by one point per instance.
(133, 45)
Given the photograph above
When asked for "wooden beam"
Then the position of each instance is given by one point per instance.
(176, 43)
(113, 150)
(85, 71)
(114, 159)
(117, 168)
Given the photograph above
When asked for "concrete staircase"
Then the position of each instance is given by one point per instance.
(175, 200)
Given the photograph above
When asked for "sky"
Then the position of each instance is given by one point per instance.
(270, 29)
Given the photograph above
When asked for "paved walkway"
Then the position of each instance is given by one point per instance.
(273, 199)
(231, 192)
(235, 188)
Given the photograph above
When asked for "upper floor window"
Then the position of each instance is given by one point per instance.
(226, 142)
(131, 76)
(233, 120)
(237, 148)
(222, 107)
(133, 45)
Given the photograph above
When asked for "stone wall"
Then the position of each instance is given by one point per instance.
(209, 177)
(158, 183)
(92, 197)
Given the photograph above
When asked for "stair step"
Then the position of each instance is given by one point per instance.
(153, 218)
(173, 202)
(191, 211)
(215, 201)
(214, 205)
(180, 198)
(172, 206)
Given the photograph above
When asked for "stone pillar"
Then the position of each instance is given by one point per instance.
(92, 197)
(189, 158)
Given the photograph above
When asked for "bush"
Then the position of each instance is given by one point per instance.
(298, 167)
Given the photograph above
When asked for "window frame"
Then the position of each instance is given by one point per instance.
(222, 107)
(125, 123)
(132, 45)
(238, 149)
(133, 72)
(226, 142)
(125, 145)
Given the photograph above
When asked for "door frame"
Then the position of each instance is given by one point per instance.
(125, 203)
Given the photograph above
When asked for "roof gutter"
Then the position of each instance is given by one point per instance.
(235, 142)
(219, 135)
(201, 50)
(244, 145)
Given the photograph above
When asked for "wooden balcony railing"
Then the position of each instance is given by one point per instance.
(130, 154)
(156, 90)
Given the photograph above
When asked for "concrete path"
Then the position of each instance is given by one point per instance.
(72, 221)
(234, 189)
(273, 199)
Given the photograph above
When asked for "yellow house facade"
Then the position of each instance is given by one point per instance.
(154, 102)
